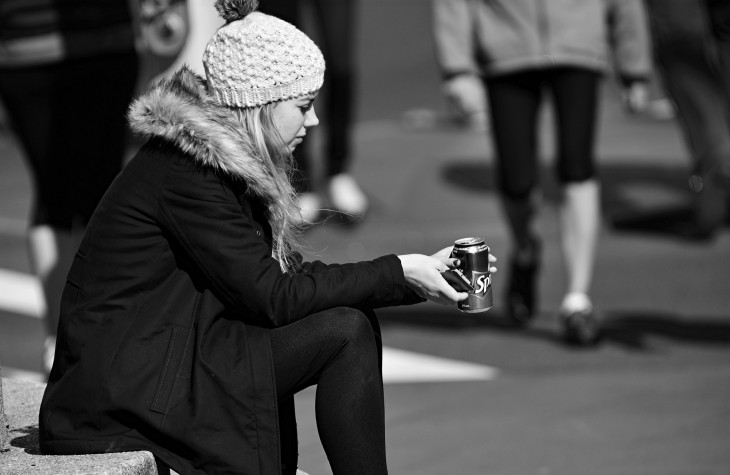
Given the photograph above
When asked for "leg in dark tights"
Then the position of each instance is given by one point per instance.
(514, 102)
(340, 351)
(335, 22)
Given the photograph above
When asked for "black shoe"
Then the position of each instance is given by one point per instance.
(580, 327)
(521, 297)
(710, 205)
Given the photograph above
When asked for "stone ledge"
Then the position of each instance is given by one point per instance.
(22, 400)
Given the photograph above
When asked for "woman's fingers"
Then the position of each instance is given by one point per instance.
(492, 260)
(443, 254)
(423, 274)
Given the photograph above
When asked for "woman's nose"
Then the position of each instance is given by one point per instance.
(311, 119)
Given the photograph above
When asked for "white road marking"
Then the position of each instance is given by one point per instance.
(401, 366)
(23, 375)
(21, 293)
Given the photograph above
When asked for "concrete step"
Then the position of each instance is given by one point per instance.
(20, 401)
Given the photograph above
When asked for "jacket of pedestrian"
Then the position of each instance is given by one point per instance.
(164, 331)
(492, 37)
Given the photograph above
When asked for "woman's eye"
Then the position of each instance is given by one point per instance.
(306, 107)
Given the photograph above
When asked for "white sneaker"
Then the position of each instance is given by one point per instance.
(576, 302)
(346, 196)
(310, 207)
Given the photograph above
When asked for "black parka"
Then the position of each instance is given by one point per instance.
(163, 340)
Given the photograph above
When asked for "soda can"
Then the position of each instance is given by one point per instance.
(474, 256)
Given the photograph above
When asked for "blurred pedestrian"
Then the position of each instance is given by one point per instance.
(691, 41)
(67, 74)
(521, 51)
(335, 23)
(189, 319)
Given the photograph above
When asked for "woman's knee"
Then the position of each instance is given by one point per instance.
(576, 165)
(353, 326)
(357, 345)
(576, 174)
(517, 181)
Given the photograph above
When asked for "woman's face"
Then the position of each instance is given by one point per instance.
(293, 117)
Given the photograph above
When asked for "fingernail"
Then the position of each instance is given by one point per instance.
(457, 262)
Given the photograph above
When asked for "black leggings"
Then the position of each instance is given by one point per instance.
(515, 100)
(70, 118)
(339, 350)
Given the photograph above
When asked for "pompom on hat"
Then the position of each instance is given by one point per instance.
(256, 58)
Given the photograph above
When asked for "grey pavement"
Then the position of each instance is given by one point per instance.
(22, 456)
(653, 398)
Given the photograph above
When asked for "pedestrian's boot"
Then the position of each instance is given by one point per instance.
(709, 205)
(521, 296)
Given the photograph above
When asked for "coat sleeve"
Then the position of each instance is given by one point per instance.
(630, 39)
(454, 36)
(203, 216)
(410, 298)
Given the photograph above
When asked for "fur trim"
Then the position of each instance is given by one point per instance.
(179, 110)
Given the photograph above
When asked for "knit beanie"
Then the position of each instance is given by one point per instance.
(256, 58)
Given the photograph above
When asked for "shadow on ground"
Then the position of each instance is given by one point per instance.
(28, 441)
(634, 329)
(627, 329)
(640, 198)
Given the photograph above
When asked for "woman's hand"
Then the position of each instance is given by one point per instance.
(423, 275)
(635, 97)
(467, 94)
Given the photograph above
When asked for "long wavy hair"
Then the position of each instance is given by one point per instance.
(271, 150)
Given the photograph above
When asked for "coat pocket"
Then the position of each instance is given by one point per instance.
(174, 355)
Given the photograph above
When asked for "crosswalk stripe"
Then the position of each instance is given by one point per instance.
(21, 293)
(401, 366)
(23, 375)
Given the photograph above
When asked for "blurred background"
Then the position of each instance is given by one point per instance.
(468, 393)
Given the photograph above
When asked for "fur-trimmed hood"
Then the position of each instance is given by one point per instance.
(179, 110)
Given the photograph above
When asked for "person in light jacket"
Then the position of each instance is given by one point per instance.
(189, 319)
(515, 52)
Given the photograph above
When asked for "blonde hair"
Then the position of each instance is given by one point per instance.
(274, 154)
